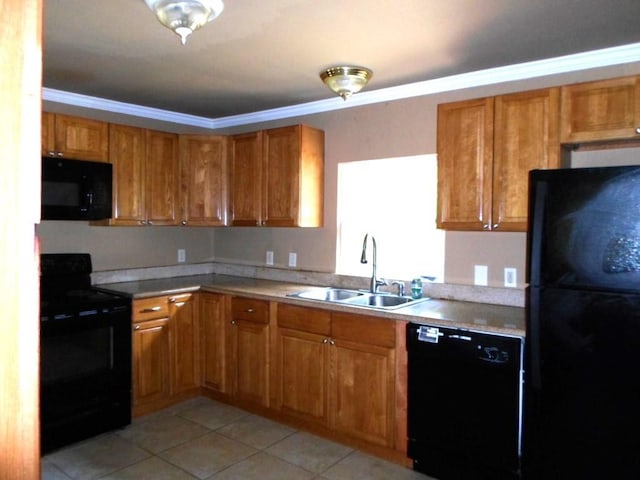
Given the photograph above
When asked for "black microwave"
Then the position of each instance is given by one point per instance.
(76, 189)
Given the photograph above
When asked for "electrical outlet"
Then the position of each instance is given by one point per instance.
(269, 259)
(480, 275)
(510, 277)
(293, 259)
(182, 255)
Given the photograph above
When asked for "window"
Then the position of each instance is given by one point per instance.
(393, 199)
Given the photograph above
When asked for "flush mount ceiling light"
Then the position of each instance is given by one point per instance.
(345, 81)
(186, 16)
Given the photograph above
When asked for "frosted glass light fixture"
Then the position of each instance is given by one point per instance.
(345, 81)
(186, 16)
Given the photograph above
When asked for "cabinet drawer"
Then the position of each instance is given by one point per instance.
(149, 308)
(361, 329)
(250, 310)
(304, 319)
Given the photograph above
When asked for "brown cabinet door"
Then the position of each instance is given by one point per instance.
(162, 178)
(249, 352)
(362, 377)
(362, 391)
(81, 138)
(526, 138)
(293, 177)
(213, 327)
(246, 179)
(251, 360)
(184, 343)
(127, 154)
(203, 165)
(465, 164)
(151, 360)
(47, 133)
(302, 362)
(602, 110)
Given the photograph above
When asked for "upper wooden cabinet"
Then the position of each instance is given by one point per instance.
(146, 178)
(203, 167)
(277, 177)
(486, 148)
(602, 110)
(73, 137)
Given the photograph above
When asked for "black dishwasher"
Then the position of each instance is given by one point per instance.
(464, 403)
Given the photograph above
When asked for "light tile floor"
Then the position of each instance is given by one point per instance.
(207, 440)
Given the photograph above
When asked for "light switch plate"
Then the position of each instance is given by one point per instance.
(269, 259)
(182, 255)
(293, 259)
(510, 277)
(480, 275)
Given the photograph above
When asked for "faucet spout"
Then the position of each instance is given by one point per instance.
(375, 282)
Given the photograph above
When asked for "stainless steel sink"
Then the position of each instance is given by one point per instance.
(385, 301)
(381, 300)
(328, 294)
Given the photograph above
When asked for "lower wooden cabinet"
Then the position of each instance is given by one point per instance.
(165, 351)
(213, 342)
(337, 369)
(150, 362)
(332, 370)
(248, 339)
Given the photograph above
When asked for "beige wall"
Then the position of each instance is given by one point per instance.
(113, 248)
(404, 127)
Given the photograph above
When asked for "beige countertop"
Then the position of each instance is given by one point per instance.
(447, 313)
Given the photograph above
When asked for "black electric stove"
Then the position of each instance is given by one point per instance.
(85, 353)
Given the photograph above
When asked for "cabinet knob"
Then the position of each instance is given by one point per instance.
(59, 154)
(184, 222)
(637, 129)
(142, 222)
(172, 300)
(137, 327)
(495, 226)
(325, 340)
(485, 226)
(149, 222)
(332, 342)
(250, 310)
(233, 322)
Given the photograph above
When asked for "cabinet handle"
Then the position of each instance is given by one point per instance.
(149, 222)
(325, 340)
(495, 226)
(137, 327)
(150, 310)
(184, 222)
(172, 300)
(142, 222)
(332, 342)
(59, 154)
(250, 310)
(485, 226)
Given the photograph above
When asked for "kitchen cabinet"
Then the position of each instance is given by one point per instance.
(248, 343)
(601, 110)
(166, 359)
(486, 148)
(337, 369)
(277, 177)
(213, 341)
(302, 362)
(151, 357)
(145, 176)
(203, 167)
(74, 138)
(185, 343)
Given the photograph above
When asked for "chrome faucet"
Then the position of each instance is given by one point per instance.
(375, 282)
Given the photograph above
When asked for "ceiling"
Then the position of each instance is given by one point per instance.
(266, 54)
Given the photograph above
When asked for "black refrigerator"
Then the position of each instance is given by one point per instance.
(581, 416)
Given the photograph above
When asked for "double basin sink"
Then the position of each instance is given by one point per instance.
(360, 298)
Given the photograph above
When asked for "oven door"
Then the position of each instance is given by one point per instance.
(85, 367)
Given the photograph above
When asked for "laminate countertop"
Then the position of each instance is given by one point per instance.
(481, 317)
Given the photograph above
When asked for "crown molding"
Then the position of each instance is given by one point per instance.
(539, 68)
